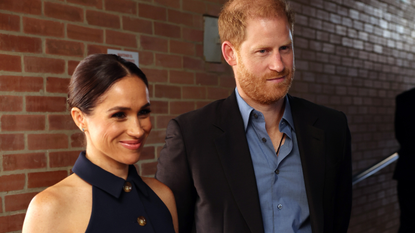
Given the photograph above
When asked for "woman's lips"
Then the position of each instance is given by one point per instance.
(131, 144)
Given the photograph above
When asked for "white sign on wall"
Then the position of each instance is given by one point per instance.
(129, 56)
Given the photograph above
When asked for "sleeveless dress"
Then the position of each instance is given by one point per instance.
(122, 206)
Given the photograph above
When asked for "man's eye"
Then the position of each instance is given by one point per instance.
(118, 115)
(262, 51)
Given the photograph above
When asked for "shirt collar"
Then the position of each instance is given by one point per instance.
(104, 180)
(246, 110)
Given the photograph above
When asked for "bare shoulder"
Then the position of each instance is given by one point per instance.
(166, 195)
(55, 208)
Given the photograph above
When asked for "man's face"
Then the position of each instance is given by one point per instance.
(265, 61)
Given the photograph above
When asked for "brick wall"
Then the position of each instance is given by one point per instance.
(354, 56)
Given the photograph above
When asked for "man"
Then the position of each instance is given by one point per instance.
(260, 160)
(404, 171)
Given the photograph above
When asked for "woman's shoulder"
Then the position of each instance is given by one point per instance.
(52, 209)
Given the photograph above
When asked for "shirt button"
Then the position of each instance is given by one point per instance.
(127, 187)
(279, 206)
(277, 171)
(141, 221)
(264, 139)
(256, 116)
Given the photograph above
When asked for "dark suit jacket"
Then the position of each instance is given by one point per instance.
(207, 164)
(405, 134)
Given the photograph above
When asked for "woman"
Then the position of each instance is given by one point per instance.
(109, 102)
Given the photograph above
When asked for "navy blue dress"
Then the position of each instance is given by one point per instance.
(120, 205)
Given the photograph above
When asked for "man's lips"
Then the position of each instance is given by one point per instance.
(277, 79)
(131, 144)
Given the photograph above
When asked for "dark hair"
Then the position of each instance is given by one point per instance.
(95, 75)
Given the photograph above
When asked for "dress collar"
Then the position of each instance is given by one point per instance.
(110, 183)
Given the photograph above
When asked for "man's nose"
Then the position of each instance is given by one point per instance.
(277, 63)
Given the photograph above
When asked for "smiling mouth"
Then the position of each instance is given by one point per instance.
(131, 144)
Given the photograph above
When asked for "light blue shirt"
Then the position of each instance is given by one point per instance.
(280, 180)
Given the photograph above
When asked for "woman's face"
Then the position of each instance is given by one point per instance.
(119, 124)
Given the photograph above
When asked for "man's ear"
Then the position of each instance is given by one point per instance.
(229, 53)
(79, 118)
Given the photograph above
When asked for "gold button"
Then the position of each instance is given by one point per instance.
(141, 221)
(127, 187)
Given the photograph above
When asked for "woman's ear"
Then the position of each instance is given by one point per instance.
(229, 53)
(79, 118)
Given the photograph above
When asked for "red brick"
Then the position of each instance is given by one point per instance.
(180, 47)
(169, 3)
(154, 43)
(213, 9)
(61, 122)
(169, 61)
(122, 6)
(18, 201)
(78, 140)
(91, 3)
(217, 93)
(199, 50)
(152, 12)
(11, 182)
(64, 12)
(20, 44)
(45, 179)
(181, 77)
(206, 79)
(44, 65)
(121, 39)
(159, 107)
(63, 158)
(10, 63)
(137, 25)
(47, 141)
(194, 92)
(45, 104)
(159, 76)
(13, 162)
(9, 22)
(21, 84)
(167, 91)
(168, 30)
(102, 19)
(162, 121)
(57, 85)
(218, 67)
(148, 152)
(194, 6)
(148, 169)
(11, 223)
(156, 136)
(227, 81)
(71, 68)
(92, 49)
(180, 107)
(11, 103)
(65, 48)
(43, 27)
(85, 33)
(146, 58)
(193, 64)
(23, 6)
(178, 17)
(193, 35)
(22, 122)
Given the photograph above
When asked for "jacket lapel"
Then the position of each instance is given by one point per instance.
(311, 146)
(233, 152)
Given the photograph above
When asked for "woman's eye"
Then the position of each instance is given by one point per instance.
(144, 112)
(118, 115)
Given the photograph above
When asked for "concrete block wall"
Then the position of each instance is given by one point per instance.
(354, 56)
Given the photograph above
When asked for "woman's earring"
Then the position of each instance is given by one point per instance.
(83, 130)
